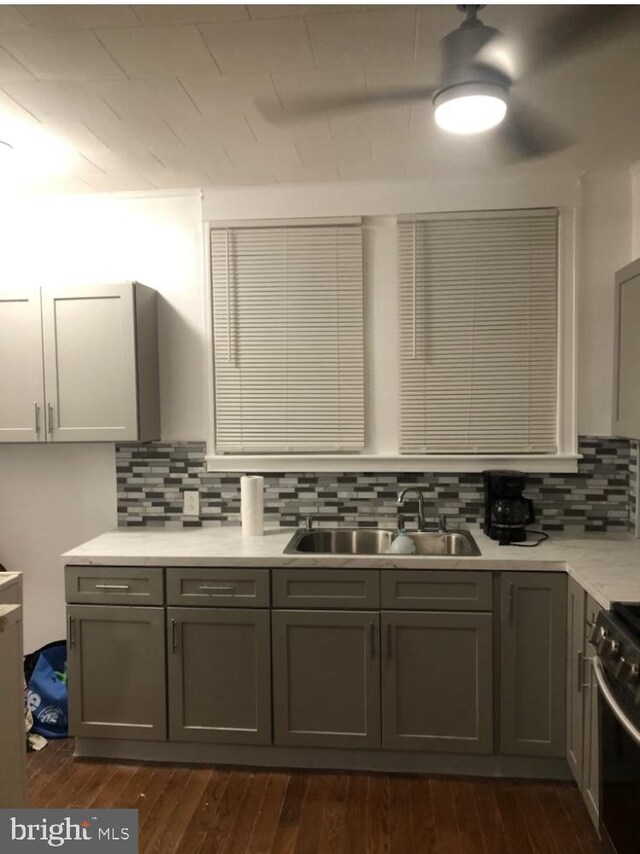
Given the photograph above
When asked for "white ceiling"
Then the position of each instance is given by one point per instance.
(137, 97)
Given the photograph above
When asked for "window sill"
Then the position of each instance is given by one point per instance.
(265, 463)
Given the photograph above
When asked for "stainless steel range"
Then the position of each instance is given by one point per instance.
(616, 638)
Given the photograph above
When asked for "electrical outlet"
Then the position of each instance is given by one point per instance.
(191, 503)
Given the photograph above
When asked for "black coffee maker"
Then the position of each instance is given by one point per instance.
(506, 511)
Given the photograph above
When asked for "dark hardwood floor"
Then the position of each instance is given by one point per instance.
(202, 810)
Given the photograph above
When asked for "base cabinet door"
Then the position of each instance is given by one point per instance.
(116, 672)
(219, 675)
(576, 604)
(326, 678)
(437, 684)
(533, 663)
(590, 783)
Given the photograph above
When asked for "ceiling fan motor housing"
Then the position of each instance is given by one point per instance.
(459, 51)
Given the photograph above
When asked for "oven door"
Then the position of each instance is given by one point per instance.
(619, 766)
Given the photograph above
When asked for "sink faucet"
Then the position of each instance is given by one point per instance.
(418, 492)
(422, 526)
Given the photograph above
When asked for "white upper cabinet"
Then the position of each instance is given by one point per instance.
(626, 388)
(21, 387)
(96, 348)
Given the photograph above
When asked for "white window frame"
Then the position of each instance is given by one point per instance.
(382, 373)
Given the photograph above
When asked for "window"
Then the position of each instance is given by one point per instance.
(479, 333)
(288, 336)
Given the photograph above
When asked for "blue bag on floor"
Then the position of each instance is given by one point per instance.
(47, 690)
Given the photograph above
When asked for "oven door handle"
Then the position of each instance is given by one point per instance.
(598, 669)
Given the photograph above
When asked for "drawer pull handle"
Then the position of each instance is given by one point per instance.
(174, 636)
(579, 667)
(218, 588)
(112, 586)
(372, 639)
(389, 640)
(72, 640)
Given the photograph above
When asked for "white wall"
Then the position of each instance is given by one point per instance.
(605, 239)
(492, 190)
(52, 498)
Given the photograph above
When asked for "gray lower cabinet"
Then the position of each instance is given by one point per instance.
(533, 663)
(437, 684)
(341, 661)
(326, 678)
(590, 784)
(116, 672)
(576, 604)
(219, 675)
(582, 698)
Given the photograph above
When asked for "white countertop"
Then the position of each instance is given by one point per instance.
(7, 578)
(606, 566)
(9, 614)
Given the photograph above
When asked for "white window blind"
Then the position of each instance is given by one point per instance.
(478, 332)
(288, 337)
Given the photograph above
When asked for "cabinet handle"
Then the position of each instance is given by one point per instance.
(372, 639)
(72, 640)
(36, 407)
(218, 588)
(588, 684)
(580, 669)
(389, 640)
(112, 586)
(50, 419)
(511, 603)
(174, 636)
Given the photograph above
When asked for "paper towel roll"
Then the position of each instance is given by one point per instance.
(251, 505)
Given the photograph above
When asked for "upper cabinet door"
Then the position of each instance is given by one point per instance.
(90, 363)
(21, 386)
(626, 389)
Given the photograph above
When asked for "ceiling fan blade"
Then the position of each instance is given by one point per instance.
(317, 105)
(525, 134)
(574, 30)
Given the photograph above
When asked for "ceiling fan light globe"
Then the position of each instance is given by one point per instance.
(470, 108)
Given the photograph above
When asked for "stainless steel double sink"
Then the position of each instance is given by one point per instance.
(377, 541)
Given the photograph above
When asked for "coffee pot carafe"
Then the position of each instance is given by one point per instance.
(506, 511)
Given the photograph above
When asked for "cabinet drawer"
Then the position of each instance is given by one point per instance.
(592, 609)
(234, 588)
(113, 585)
(433, 590)
(326, 588)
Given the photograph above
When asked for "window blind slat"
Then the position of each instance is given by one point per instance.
(288, 337)
(478, 333)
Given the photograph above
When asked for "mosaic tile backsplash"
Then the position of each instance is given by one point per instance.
(634, 472)
(152, 477)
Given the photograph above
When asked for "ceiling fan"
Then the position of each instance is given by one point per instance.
(478, 73)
